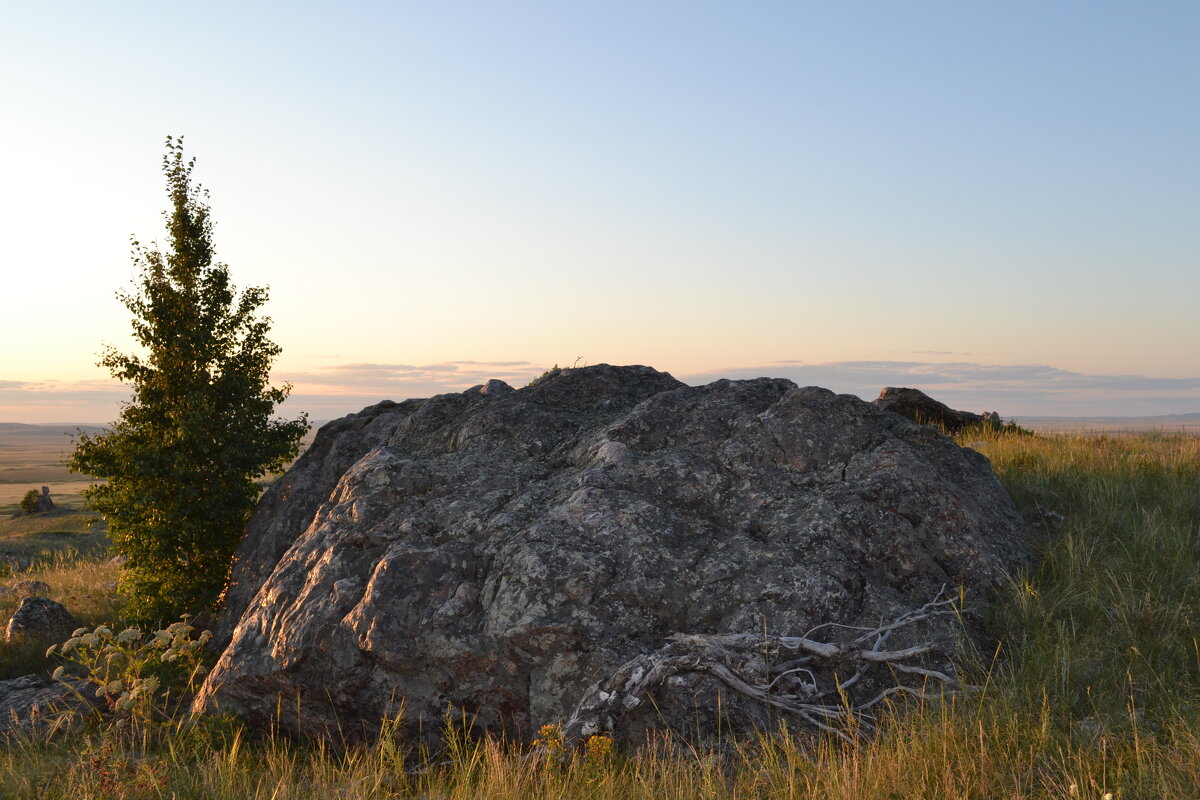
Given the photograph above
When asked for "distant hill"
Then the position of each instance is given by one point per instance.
(47, 430)
(1187, 423)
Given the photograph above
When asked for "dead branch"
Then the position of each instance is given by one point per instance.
(768, 670)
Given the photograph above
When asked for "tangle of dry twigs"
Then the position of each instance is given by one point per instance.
(799, 675)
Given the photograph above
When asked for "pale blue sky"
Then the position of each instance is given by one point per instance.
(978, 198)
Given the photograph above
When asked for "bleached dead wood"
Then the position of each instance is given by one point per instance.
(813, 680)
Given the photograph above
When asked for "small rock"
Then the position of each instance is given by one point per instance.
(1053, 519)
(1089, 728)
(30, 588)
(40, 618)
(16, 563)
(44, 503)
(31, 700)
(118, 561)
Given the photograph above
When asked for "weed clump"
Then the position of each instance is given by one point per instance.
(140, 679)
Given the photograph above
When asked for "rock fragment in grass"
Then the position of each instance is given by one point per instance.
(39, 618)
(30, 588)
(34, 702)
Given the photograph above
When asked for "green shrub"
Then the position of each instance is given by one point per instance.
(29, 503)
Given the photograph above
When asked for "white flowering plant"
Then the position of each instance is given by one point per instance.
(131, 672)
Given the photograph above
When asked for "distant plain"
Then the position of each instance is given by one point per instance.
(33, 456)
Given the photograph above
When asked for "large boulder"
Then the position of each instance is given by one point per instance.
(289, 504)
(498, 552)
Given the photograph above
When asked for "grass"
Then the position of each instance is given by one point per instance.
(84, 584)
(1095, 689)
(48, 536)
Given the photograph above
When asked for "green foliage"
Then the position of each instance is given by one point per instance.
(182, 459)
(29, 502)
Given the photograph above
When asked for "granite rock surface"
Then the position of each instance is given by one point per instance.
(499, 551)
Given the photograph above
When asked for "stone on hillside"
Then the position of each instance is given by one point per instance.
(15, 563)
(500, 551)
(919, 407)
(39, 618)
(30, 588)
(32, 702)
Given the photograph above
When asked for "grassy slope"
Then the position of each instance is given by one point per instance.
(1096, 688)
(44, 537)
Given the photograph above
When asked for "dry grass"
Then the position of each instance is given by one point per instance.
(1095, 690)
(44, 537)
(86, 586)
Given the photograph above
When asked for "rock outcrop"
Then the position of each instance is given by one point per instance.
(287, 507)
(499, 552)
(919, 407)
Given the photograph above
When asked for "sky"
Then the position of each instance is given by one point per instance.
(996, 202)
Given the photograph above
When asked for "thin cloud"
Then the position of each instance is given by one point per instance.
(61, 401)
(400, 381)
(1011, 389)
(71, 387)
